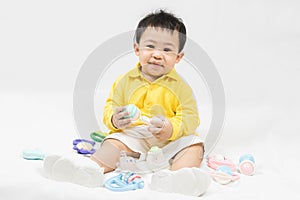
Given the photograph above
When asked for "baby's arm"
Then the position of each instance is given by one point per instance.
(113, 102)
(186, 119)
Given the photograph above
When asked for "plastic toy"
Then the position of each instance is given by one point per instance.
(247, 165)
(225, 169)
(145, 119)
(152, 161)
(134, 112)
(83, 146)
(224, 175)
(124, 182)
(98, 136)
(33, 154)
(218, 160)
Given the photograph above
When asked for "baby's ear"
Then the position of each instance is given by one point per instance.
(136, 49)
(179, 57)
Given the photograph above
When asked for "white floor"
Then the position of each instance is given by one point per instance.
(44, 120)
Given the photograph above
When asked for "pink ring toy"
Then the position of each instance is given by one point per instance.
(218, 160)
(224, 175)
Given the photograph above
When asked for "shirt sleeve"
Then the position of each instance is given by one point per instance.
(186, 120)
(114, 100)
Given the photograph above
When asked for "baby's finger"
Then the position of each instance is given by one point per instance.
(154, 130)
(157, 122)
(123, 115)
(119, 109)
(124, 123)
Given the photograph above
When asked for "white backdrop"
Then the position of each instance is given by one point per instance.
(255, 46)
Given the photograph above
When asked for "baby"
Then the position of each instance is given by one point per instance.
(161, 95)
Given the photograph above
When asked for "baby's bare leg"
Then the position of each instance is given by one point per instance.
(191, 156)
(109, 153)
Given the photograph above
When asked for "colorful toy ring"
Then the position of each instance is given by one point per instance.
(224, 175)
(33, 154)
(218, 160)
(98, 136)
(124, 182)
(247, 164)
(83, 146)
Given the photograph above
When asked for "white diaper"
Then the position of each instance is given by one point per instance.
(134, 139)
(154, 154)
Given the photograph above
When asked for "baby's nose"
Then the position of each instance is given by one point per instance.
(157, 54)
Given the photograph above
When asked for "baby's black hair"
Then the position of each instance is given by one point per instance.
(164, 20)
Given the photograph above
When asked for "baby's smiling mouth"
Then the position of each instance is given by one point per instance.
(155, 64)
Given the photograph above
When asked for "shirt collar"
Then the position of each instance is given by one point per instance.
(136, 73)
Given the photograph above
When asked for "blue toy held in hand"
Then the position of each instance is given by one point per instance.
(124, 182)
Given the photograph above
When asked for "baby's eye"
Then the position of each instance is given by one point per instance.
(167, 49)
(150, 46)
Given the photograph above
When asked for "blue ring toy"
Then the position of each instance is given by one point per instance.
(121, 183)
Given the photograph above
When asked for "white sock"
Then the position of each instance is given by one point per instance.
(75, 169)
(188, 181)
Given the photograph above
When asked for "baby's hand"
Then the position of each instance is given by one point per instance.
(119, 119)
(161, 127)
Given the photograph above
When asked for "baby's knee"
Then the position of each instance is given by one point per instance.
(191, 156)
(197, 151)
(115, 144)
(108, 153)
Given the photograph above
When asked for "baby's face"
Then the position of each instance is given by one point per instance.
(158, 52)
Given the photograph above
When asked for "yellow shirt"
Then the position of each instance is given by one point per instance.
(169, 96)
